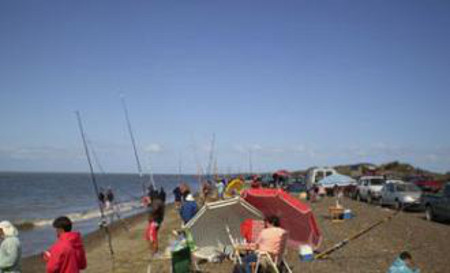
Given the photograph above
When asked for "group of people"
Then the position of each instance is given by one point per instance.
(66, 255)
(106, 198)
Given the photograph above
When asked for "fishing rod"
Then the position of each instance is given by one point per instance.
(94, 182)
(250, 162)
(151, 178)
(211, 157)
(133, 141)
(179, 167)
(199, 166)
(324, 254)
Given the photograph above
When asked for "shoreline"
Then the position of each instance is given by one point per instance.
(91, 240)
(373, 252)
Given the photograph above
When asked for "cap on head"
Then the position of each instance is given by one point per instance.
(189, 197)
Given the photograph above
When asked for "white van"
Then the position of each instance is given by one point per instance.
(314, 175)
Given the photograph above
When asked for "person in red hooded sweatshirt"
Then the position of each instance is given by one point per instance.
(67, 254)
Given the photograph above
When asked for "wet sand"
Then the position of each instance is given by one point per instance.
(428, 242)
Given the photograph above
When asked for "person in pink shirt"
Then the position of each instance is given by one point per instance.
(269, 240)
(151, 233)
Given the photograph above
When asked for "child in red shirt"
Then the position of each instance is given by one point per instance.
(151, 233)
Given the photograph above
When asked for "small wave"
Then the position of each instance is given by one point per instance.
(79, 216)
(24, 225)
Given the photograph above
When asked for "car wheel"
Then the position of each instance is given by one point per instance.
(429, 213)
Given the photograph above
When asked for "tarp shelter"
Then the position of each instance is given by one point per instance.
(282, 173)
(295, 217)
(336, 179)
(208, 227)
(234, 187)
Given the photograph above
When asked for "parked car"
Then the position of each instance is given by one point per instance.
(296, 187)
(369, 188)
(437, 206)
(428, 185)
(401, 195)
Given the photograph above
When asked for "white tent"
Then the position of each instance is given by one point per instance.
(208, 227)
(339, 180)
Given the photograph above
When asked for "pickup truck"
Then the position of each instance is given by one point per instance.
(437, 206)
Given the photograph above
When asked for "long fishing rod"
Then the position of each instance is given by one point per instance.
(250, 162)
(199, 166)
(94, 182)
(179, 167)
(94, 155)
(151, 178)
(133, 141)
(327, 252)
(211, 158)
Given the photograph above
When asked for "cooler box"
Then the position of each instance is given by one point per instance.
(347, 214)
(306, 253)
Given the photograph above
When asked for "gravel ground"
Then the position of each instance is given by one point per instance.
(428, 242)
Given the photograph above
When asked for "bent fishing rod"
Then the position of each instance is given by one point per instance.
(103, 224)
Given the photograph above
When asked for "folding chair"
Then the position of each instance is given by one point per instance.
(277, 260)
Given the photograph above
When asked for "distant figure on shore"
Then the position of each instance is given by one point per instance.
(322, 191)
(102, 197)
(206, 189)
(67, 254)
(256, 182)
(177, 195)
(109, 198)
(162, 195)
(157, 208)
(188, 209)
(220, 189)
(403, 264)
(185, 191)
(10, 248)
(151, 233)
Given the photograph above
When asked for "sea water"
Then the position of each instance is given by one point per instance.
(32, 200)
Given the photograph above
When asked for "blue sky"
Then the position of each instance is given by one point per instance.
(297, 83)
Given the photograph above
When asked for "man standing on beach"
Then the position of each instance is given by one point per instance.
(67, 254)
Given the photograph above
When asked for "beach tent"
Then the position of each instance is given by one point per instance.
(208, 227)
(336, 179)
(295, 217)
(234, 187)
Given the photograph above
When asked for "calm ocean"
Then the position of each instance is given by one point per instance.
(35, 199)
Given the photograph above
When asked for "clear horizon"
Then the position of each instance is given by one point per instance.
(293, 84)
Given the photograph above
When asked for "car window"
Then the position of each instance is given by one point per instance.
(407, 188)
(376, 182)
(390, 187)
